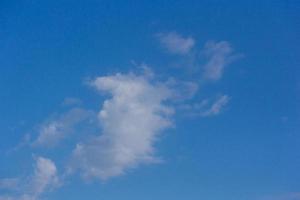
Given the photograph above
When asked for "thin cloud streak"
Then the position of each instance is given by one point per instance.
(206, 107)
(216, 107)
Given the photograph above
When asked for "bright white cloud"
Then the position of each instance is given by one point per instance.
(175, 43)
(132, 119)
(52, 132)
(219, 55)
(43, 178)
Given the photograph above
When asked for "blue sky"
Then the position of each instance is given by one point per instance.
(149, 100)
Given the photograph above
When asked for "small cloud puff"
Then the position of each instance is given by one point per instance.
(219, 55)
(44, 178)
(175, 43)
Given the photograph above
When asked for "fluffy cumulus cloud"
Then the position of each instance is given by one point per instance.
(219, 55)
(175, 43)
(132, 118)
(43, 178)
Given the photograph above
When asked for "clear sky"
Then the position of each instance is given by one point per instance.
(143, 100)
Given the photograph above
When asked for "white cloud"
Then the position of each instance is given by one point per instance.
(52, 132)
(175, 43)
(219, 55)
(43, 178)
(131, 119)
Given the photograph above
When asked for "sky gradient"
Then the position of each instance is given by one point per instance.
(144, 100)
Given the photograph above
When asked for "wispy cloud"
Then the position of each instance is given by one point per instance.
(132, 119)
(53, 131)
(175, 43)
(182, 90)
(216, 107)
(211, 60)
(206, 107)
(219, 55)
(43, 178)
